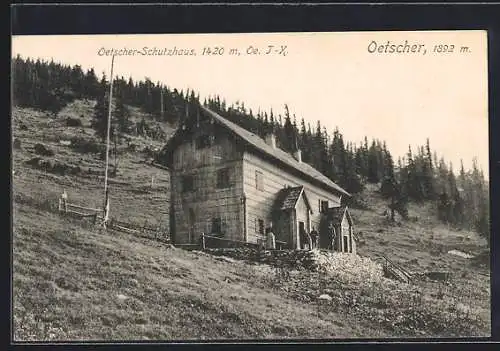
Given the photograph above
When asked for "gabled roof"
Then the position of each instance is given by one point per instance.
(257, 144)
(288, 197)
(281, 156)
(337, 214)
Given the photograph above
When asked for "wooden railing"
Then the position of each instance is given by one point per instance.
(96, 214)
(280, 245)
(396, 270)
(67, 207)
(205, 238)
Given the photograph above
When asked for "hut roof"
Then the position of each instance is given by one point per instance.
(259, 145)
(337, 214)
(287, 198)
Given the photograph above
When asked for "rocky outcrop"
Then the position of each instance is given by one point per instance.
(354, 267)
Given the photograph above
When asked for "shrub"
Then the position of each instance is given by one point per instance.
(55, 167)
(483, 259)
(149, 152)
(73, 122)
(82, 145)
(59, 168)
(357, 201)
(34, 161)
(43, 150)
(16, 144)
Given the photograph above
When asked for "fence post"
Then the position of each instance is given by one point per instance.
(64, 198)
(203, 241)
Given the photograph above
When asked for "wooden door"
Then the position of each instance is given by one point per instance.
(302, 237)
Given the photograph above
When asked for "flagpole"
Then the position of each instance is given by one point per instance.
(161, 102)
(106, 193)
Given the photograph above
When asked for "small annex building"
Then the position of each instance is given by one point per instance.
(340, 218)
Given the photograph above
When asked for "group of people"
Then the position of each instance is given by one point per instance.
(308, 241)
(311, 240)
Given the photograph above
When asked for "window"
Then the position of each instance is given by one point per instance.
(323, 206)
(203, 141)
(187, 183)
(259, 180)
(259, 226)
(223, 180)
(217, 225)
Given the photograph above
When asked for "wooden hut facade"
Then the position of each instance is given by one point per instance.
(227, 181)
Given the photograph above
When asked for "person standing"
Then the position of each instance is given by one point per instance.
(308, 241)
(270, 240)
(314, 238)
(303, 238)
(332, 236)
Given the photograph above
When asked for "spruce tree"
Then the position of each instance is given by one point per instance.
(91, 86)
(304, 142)
(373, 164)
(289, 142)
(100, 117)
(121, 113)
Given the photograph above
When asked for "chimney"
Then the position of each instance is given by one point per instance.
(271, 140)
(298, 155)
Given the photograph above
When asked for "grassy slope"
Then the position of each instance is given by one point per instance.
(67, 281)
(67, 277)
(422, 244)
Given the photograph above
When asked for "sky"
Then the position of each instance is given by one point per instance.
(356, 81)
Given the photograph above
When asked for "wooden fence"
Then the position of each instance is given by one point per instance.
(152, 232)
(97, 216)
(217, 241)
(396, 270)
(67, 207)
(212, 240)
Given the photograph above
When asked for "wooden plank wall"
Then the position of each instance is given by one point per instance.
(207, 201)
(260, 203)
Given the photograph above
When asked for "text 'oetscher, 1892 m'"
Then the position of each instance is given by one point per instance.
(414, 48)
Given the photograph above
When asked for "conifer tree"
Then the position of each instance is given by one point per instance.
(373, 164)
(288, 144)
(91, 86)
(121, 113)
(99, 121)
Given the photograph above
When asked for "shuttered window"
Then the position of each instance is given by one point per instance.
(259, 181)
(323, 206)
(187, 183)
(259, 226)
(223, 179)
(217, 225)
